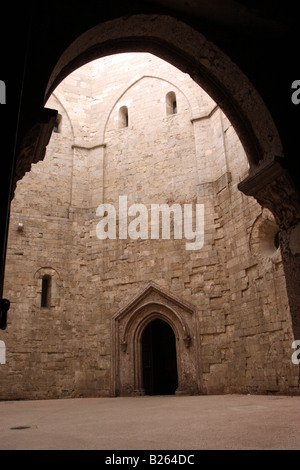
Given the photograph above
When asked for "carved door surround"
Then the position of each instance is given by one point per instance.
(128, 325)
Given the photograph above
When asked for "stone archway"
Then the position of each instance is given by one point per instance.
(176, 42)
(128, 326)
(269, 183)
(187, 49)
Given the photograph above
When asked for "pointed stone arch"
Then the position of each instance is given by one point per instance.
(175, 84)
(191, 52)
(128, 325)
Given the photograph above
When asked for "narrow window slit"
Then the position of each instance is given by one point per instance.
(46, 291)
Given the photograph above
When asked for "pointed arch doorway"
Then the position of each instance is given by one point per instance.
(153, 348)
(159, 360)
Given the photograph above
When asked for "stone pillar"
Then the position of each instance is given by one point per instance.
(96, 163)
(87, 178)
(290, 249)
(273, 188)
(31, 149)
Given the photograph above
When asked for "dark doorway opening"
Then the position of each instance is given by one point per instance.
(159, 359)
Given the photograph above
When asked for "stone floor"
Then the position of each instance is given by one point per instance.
(155, 423)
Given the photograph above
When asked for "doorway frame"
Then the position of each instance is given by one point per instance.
(128, 325)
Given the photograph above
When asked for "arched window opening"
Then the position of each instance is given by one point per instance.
(123, 117)
(57, 125)
(46, 291)
(171, 103)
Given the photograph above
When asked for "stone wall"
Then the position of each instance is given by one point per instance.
(227, 300)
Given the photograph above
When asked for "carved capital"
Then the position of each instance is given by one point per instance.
(34, 143)
(273, 188)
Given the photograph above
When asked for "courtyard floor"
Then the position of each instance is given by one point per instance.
(237, 422)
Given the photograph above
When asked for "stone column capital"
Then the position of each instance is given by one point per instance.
(272, 186)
